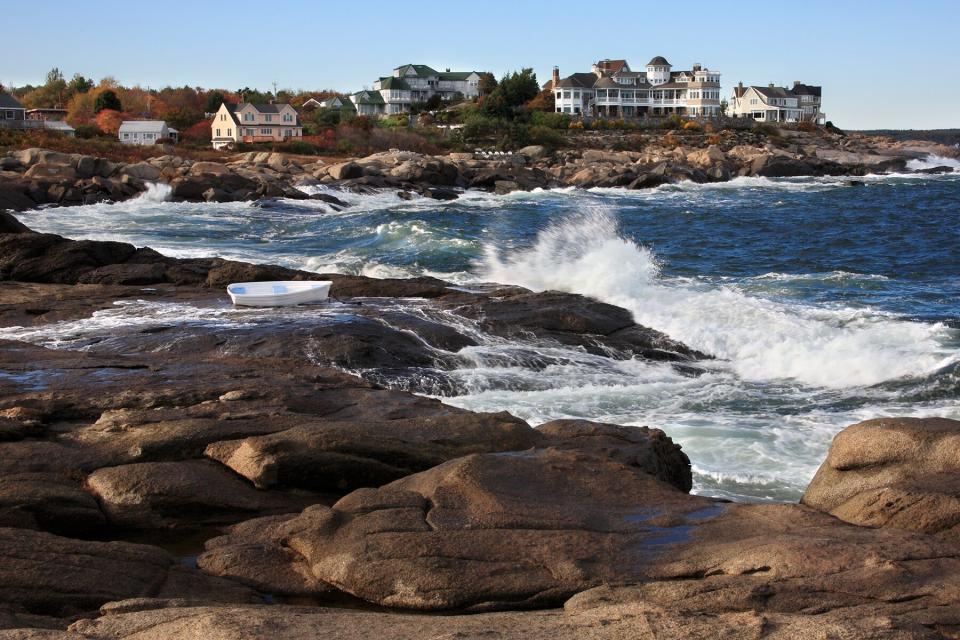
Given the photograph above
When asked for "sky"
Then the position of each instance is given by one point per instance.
(860, 52)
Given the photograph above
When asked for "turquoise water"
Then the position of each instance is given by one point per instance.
(824, 303)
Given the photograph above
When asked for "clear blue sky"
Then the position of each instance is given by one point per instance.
(869, 56)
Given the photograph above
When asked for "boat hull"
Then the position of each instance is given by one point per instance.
(278, 294)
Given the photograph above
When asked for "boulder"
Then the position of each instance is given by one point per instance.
(192, 188)
(141, 171)
(778, 166)
(706, 157)
(86, 166)
(336, 457)
(40, 257)
(208, 169)
(47, 171)
(48, 502)
(8, 223)
(571, 319)
(649, 450)
(154, 495)
(345, 171)
(893, 472)
(532, 152)
(44, 573)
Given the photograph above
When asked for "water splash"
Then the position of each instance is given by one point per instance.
(763, 340)
(156, 192)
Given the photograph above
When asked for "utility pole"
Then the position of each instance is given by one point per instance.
(274, 89)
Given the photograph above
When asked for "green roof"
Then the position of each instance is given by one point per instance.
(455, 75)
(368, 97)
(421, 70)
(391, 82)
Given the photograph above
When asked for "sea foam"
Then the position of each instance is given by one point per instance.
(762, 339)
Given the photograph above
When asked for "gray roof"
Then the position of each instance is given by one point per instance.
(57, 125)
(659, 61)
(262, 108)
(142, 126)
(806, 89)
(607, 83)
(7, 101)
(577, 81)
(775, 92)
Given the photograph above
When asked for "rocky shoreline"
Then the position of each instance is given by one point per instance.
(35, 177)
(220, 481)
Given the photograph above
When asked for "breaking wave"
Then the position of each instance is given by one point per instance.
(762, 339)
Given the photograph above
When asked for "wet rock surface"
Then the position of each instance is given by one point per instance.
(290, 479)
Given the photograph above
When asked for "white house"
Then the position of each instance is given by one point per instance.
(412, 83)
(248, 122)
(612, 89)
(778, 104)
(145, 132)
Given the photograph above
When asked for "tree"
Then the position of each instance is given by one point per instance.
(214, 100)
(107, 100)
(544, 101)
(109, 121)
(487, 83)
(50, 94)
(514, 90)
(434, 102)
(199, 132)
(78, 84)
(724, 105)
(519, 88)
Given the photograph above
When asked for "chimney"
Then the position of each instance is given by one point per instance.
(696, 66)
(770, 85)
(556, 76)
(796, 83)
(740, 85)
(448, 69)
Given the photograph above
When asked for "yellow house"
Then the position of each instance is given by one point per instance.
(247, 122)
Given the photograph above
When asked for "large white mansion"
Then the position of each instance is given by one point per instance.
(612, 89)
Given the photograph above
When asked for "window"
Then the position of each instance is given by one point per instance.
(268, 118)
(8, 114)
(559, 95)
(126, 136)
(218, 133)
(266, 132)
(287, 117)
(287, 133)
(223, 117)
(566, 95)
(250, 132)
(229, 132)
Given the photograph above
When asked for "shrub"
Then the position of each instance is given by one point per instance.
(806, 126)
(576, 124)
(691, 125)
(670, 140)
(714, 139)
(708, 127)
(766, 129)
(552, 120)
(547, 136)
(87, 131)
(671, 123)
(299, 147)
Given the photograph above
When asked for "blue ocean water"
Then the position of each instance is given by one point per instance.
(824, 303)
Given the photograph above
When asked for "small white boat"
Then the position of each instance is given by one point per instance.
(278, 294)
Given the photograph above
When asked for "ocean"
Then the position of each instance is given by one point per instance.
(823, 302)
